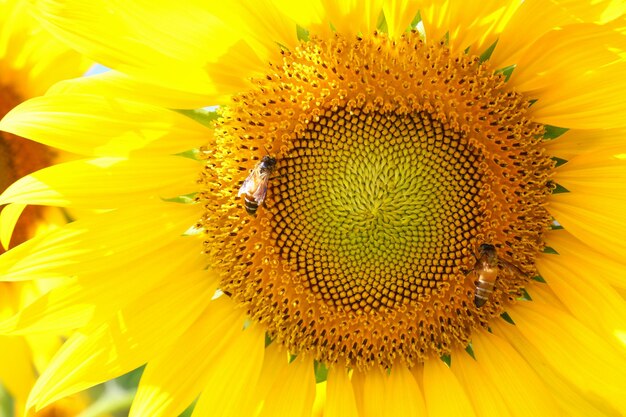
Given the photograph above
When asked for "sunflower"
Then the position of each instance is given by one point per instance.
(340, 208)
(31, 60)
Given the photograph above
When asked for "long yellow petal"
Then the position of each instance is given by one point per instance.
(533, 18)
(375, 394)
(475, 24)
(231, 375)
(601, 173)
(573, 401)
(340, 401)
(93, 244)
(404, 394)
(481, 391)
(296, 382)
(590, 261)
(115, 84)
(132, 337)
(519, 386)
(590, 299)
(445, 396)
(104, 126)
(174, 378)
(576, 142)
(105, 183)
(594, 366)
(72, 305)
(274, 26)
(576, 75)
(592, 219)
(133, 40)
(399, 14)
(16, 369)
(9, 216)
(390, 395)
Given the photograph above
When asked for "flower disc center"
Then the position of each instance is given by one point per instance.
(362, 209)
(395, 162)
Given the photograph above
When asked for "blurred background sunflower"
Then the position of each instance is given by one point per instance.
(364, 209)
(30, 62)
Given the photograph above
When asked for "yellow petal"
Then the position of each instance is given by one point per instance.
(576, 141)
(115, 84)
(403, 393)
(515, 381)
(592, 219)
(399, 14)
(132, 337)
(589, 261)
(16, 368)
(585, 359)
(533, 18)
(391, 395)
(576, 75)
(345, 16)
(175, 377)
(572, 400)
(74, 304)
(275, 360)
(475, 24)
(105, 183)
(444, 394)
(340, 401)
(375, 393)
(293, 392)
(262, 24)
(8, 219)
(104, 126)
(133, 40)
(600, 173)
(592, 301)
(231, 375)
(481, 391)
(93, 244)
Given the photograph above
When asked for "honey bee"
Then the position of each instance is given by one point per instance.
(254, 188)
(487, 267)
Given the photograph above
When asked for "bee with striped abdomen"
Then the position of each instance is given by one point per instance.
(254, 188)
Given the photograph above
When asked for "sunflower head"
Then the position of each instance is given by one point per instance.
(396, 160)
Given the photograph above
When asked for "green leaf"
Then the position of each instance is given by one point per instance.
(539, 278)
(506, 71)
(470, 349)
(507, 318)
(205, 117)
(553, 132)
(558, 189)
(525, 296)
(447, 359)
(302, 33)
(182, 199)
(487, 54)
(550, 251)
(321, 371)
(558, 161)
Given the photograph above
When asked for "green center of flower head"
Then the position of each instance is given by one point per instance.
(394, 162)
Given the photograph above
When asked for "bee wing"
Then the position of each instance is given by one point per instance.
(261, 187)
(512, 268)
(248, 185)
